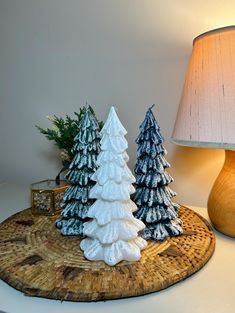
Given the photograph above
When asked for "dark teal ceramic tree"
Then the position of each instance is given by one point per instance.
(76, 200)
(153, 196)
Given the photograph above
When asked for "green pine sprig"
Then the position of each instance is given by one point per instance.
(65, 129)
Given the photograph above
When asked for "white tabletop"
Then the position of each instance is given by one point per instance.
(211, 290)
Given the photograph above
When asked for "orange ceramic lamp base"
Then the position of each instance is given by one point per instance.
(221, 202)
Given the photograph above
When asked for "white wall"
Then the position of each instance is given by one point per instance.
(57, 54)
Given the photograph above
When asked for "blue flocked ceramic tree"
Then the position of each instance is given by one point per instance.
(153, 196)
(76, 200)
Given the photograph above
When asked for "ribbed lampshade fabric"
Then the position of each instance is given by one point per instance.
(206, 115)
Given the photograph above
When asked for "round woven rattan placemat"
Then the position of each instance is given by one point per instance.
(37, 260)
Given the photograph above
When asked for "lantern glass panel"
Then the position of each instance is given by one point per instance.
(47, 195)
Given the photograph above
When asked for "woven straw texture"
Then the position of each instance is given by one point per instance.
(37, 260)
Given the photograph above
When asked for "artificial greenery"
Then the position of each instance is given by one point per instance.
(65, 129)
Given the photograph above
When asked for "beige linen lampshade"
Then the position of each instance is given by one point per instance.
(206, 115)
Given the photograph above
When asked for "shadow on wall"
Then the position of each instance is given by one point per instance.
(194, 171)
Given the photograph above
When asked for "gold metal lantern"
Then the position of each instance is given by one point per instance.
(47, 195)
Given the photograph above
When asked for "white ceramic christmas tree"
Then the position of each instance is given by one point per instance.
(113, 231)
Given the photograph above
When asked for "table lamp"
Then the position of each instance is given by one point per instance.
(206, 115)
